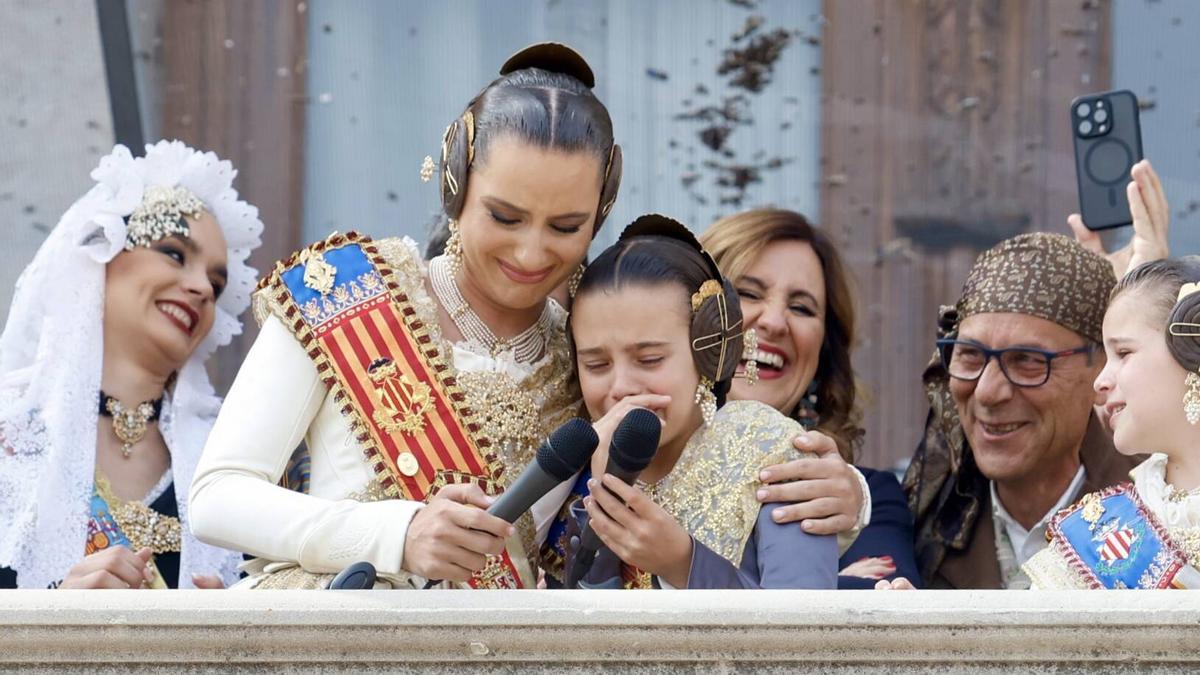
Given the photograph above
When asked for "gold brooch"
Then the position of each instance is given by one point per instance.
(147, 528)
(1093, 509)
(318, 274)
(403, 403)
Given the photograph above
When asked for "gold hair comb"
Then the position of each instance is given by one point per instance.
(707, 290)
(1186, 290)
(1184, 328)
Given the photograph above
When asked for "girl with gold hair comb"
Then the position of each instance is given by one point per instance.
(692, 520)
(1144, 535)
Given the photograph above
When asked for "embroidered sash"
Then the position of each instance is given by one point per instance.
(377, 358)
(1111, 540)
(104, 532)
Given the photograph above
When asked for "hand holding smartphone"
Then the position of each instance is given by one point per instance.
(1108, 142)
(1116, 186)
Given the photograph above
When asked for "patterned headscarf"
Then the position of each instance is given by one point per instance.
(1045, 275)
(1050, 276)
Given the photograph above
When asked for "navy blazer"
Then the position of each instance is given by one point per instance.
(889, 534)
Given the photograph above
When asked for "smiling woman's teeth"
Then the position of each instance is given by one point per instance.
(172, 310)
(765, 358)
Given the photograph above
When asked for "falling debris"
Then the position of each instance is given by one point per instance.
(734, 110)
(752, 24)
(754, 64)
(656, 74)
(714, 136)
(748, 64)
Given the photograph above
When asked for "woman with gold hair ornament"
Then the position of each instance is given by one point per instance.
(1145, 534)
(422, 391)
(692, 519)
(105, 402)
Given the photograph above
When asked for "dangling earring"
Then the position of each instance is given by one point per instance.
(707, 400)
(427, 169)
(751, 346)
(573, 282)
(806, 410)
(453, 249)
(1191, 399)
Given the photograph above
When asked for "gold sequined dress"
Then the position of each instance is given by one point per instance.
(278, 400)
(711, 492)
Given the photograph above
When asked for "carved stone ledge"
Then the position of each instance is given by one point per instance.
(585, 631)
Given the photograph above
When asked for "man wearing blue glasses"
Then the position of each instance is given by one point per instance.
(1012, 436)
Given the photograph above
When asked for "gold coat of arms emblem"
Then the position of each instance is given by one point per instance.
(319, 275)
(403, 401)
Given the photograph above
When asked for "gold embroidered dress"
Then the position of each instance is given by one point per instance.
(350, 512)
(711, 492)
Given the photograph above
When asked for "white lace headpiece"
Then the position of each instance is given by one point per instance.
(50, 363)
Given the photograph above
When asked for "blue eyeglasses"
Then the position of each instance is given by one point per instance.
(1023, 366)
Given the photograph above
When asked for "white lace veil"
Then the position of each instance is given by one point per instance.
(50, 364)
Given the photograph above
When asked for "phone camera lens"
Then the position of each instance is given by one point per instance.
(1083, 110)
(1085, 127)
(1101, 115)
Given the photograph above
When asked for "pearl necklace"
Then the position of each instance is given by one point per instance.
(526, 346)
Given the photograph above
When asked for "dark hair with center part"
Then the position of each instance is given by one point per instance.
(546, 109)
(653, 260)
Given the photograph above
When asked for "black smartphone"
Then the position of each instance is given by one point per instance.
(1108, 142)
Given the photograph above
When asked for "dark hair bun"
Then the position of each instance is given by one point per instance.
(1183, 332)
(656, 224)
(554, 57)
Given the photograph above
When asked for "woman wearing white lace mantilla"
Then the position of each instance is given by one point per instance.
(104, 399)
(420, 392)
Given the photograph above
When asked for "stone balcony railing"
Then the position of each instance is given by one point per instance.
(587, 631)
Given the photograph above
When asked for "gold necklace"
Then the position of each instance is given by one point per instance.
(129, 424)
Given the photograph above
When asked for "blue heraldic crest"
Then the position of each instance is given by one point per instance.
(1114, 541)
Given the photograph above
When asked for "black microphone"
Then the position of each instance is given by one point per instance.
(561, 456)
(633, 446)
(357, 577)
